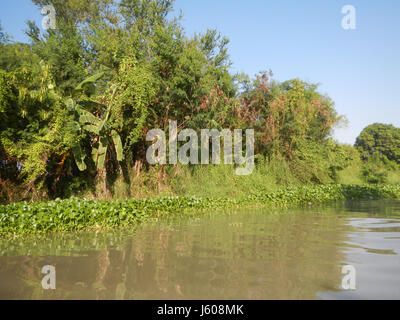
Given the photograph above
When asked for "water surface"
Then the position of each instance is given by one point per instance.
(243, 254)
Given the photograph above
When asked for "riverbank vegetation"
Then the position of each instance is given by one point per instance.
(77, 102)
(82, 214)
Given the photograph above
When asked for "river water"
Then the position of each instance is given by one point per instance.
(309, 253)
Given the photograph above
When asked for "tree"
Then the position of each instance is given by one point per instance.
(101, 128)
(383, 139)
(4, 37)
(63, 51)
(77, 102)
(36, 133)
(286, 114)
(14, 56)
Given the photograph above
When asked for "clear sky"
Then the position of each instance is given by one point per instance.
(359, 69)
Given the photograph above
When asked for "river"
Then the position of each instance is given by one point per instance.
(309, 253)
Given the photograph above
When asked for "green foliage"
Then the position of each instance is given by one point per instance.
(287, 115)
(88, 85)
(63, 52)
(36, 134)
(77, 102)
(375, 169)
(130, 105)
(7, 94)
(26, 105)
(382, 139)
(373, 174)
(99, 128)
(77, 214)
(14, 56)
(379, 146)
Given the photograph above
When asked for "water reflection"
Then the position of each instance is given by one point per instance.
(247, 254)
(374, 252)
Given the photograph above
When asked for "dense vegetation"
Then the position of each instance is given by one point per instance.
(77, 102)
(77, 214)
(379, 146)
(380, 139)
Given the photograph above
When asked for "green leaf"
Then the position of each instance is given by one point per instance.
(104, 124)
(89, 103)
(74, 126)
(91, 128)
(79, 157)
(95, 152)
(70, 104)
(87, 117)
(102, 152)
(88, 83)
(118, 145)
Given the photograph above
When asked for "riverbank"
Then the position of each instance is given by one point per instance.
(79, 214)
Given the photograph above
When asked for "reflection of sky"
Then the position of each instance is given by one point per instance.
(374, 251)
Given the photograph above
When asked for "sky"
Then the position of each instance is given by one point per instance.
(357, 68)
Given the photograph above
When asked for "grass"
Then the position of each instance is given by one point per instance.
(82, 214)
(201, 181)
(351, 175)
(221, 181)
(393, 177)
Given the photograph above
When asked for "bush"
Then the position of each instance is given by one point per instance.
(373, 174)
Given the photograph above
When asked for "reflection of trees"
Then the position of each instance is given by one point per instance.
(240, 256)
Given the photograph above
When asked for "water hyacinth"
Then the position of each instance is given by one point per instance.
(80, 214)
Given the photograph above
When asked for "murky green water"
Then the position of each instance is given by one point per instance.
(246, 254)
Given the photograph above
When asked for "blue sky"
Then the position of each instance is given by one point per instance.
(358, 68)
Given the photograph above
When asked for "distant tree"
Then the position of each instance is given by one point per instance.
(380, 138)
(4, 37)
